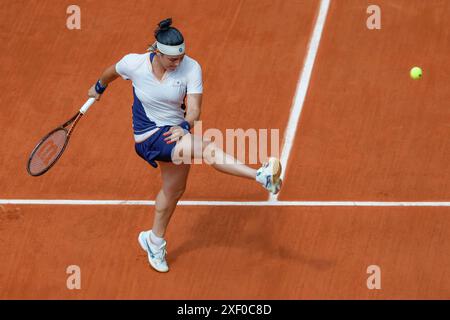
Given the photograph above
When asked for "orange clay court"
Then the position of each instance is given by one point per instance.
(367, 179)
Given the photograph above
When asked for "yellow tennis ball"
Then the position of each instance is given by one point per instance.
(416, 73)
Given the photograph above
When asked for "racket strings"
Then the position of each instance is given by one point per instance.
(48, 152)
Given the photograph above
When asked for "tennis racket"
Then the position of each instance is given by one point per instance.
(51, 147)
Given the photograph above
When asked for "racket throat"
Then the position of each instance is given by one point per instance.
(74, 123)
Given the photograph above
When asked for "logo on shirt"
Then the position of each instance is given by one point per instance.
(177, 83)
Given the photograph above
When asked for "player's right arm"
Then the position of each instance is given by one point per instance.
(109, 75)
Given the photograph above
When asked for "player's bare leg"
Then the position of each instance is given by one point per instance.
(174, 179)
(192, 147)
(174, 183)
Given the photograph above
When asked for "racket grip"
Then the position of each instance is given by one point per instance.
(87, 105)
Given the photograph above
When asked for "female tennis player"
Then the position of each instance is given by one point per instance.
(163, 79)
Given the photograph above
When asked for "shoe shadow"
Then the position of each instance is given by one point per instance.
(238, 228)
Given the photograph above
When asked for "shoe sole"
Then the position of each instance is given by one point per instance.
(276, 167)
(141, 240)
(276, 172)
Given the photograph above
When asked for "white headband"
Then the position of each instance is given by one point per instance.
(170, 50)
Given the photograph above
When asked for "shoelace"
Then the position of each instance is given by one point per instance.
(160, 255)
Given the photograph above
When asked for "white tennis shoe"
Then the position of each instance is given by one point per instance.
(156, 254)
(269, 175)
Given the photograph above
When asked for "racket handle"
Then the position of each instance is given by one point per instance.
(87, 105)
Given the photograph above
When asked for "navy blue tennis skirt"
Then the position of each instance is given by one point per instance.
(155, 148)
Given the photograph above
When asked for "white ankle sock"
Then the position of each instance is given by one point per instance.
(155, 239)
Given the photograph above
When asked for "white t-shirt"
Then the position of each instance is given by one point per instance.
(158, 103)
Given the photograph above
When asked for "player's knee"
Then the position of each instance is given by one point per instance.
(212, 153)
(208, 146)
(199, 147)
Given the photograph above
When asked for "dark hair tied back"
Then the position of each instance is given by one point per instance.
(163, 25)
(168, 35)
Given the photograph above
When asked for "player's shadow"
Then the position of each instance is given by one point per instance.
(247, 229)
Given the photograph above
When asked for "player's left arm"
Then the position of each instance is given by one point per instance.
(194, 96)
(193, 108)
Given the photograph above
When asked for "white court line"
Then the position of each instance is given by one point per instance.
(228, 203)
(302, 87)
